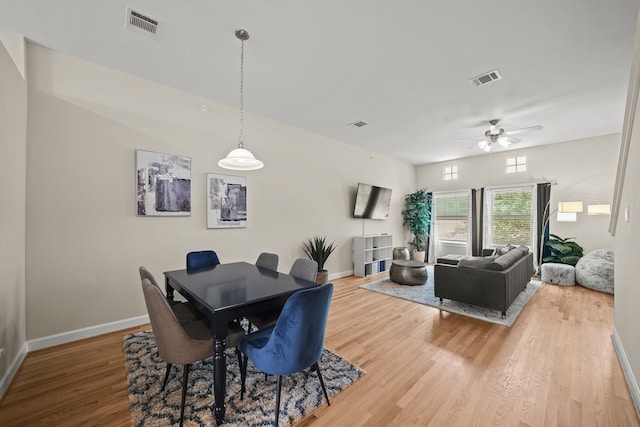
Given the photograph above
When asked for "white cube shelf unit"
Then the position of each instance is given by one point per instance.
(372, 254)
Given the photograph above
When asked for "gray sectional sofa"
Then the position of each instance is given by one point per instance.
(492, 281)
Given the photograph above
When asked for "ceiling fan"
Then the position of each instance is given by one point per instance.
(496, 134)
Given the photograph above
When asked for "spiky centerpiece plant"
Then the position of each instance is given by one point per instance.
(317, 249)
(563, 251)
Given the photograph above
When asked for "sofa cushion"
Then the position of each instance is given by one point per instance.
(505, 261)
(476, 261)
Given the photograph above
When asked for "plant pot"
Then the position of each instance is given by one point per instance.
(322, 277)
(418, 255)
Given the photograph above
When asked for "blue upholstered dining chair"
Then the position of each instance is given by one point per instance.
(295, 342)
(202, 259)
(302, 268)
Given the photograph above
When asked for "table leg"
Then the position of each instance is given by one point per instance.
(168, 289)
(219, 375)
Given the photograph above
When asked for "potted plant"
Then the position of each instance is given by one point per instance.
(563, 251)
(416, 217)
(317, 249)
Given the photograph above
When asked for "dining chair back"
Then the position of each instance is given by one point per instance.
(184, 311)
(267, 260)
(176, 344)
(295, 343)
(303, 268)
(202, 259)
(181, 344)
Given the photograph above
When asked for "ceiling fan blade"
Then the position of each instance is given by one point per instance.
(523, 130)
(475, 140)
(506, 141)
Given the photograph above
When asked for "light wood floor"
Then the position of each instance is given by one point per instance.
(555, 366)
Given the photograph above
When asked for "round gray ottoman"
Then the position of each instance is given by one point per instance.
(595, 270)
(558, 274)
(407, 272)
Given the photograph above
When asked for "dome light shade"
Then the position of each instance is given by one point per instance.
(240, 159)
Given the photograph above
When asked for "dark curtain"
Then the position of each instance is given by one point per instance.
(429, 211)
(544, 199)
(476, 245)
(481, 221)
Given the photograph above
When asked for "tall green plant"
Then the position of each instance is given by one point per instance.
(563, 251)
(416, 217)
(317, 249)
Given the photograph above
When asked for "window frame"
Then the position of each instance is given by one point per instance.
(450, 173)
(519, 164)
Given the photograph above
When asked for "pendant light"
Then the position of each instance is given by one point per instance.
(240, 158)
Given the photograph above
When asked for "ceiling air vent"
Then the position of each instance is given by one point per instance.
(485, 78)
(359, 124)
(141, 23)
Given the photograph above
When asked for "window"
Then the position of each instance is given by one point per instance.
(516, 164)
(452, 216)
(508, 216)
(450, 172)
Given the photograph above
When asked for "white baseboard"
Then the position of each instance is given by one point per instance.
(626, 370)
(89, 332)
(13, 369)
(339, 275)
(63, 338)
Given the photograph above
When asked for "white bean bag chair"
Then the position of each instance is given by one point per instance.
(595, 270)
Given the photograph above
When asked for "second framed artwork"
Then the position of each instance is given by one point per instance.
(226, 201)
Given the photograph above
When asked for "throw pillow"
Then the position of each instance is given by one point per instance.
(502, 250)
(476, 261)
(505, 261)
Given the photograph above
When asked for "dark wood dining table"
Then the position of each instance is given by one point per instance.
(226, 292)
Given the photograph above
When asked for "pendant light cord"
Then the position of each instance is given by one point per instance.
(241, 137)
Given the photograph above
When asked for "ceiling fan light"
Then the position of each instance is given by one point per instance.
(240, 159)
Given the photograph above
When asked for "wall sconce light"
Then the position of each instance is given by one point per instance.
(570, 207)
(599, 209)
(567, 217)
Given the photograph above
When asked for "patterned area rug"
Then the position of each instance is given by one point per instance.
(423, 294)
(301, 392)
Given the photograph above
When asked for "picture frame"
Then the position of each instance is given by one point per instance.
(163, 184)
(226, 201)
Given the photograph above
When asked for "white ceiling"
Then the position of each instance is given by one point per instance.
(401, 66)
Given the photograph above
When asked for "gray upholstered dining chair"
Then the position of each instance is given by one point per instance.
(181, 344)
(184, 311)
(302, 268)
(267, 260)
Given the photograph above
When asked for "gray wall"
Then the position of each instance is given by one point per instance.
(84, 240)
(584, 169)
(627, 237)
(13, 142)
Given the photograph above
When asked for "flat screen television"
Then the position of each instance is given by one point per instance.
(372, 202)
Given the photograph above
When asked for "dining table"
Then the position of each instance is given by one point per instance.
(226, 292)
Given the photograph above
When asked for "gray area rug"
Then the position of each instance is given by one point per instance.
(423, 294)
(301, 392)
